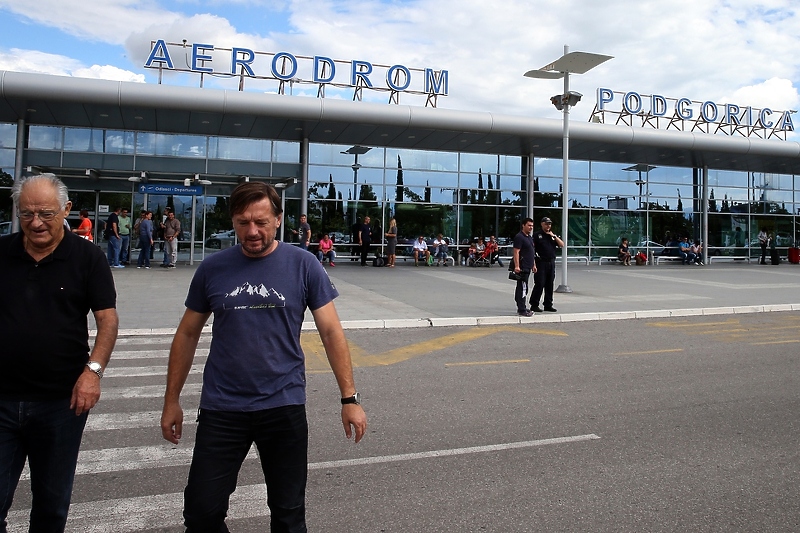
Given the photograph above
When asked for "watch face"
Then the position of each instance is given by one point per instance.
(94, 367)
(357, 397)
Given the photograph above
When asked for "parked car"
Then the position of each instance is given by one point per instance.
(642, 246)
(221, 240)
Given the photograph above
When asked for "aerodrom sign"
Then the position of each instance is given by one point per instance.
(284, 67)
(679, 113)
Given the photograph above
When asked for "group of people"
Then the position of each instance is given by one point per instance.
(254, 386)
(535, 252)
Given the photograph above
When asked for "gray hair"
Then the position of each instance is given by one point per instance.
(61, 190)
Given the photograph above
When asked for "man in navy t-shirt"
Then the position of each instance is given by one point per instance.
(254, 387)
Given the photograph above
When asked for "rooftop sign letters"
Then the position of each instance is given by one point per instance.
(683, 114)
(284, 67)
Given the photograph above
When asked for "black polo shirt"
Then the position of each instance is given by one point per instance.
(43, 315)
(526, 250)
(545, 246)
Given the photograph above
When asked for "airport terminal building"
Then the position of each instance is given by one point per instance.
(647, 174)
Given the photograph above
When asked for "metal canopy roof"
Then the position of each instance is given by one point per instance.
(67, 101)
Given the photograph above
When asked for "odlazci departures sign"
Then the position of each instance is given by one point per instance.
(658, 111)
(284, 67)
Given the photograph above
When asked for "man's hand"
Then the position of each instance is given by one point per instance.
(172, 422)
(86, 392)
(353, 416)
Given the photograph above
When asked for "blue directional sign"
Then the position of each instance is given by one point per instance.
(194, 190)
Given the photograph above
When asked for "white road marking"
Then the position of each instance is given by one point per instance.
(146, 391)
(150, 354)
(144, 512)
(142, 371)
(249, 501)
(114, 421)
(450, 452)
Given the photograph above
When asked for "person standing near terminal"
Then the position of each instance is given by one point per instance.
(113, 238)
(544, 276)
(145, 227)
(50, 378)
(254, 386)
(125, 237)
(523, 259)
(391, 243)
(303, 232)
(172, 229)
(364, 240)
(763, 237)
(84, 229)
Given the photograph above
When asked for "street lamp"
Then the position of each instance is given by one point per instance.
(577, 63)
(356, 151)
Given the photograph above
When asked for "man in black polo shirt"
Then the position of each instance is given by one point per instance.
(523, 264)
(52, 279)
(546, 243)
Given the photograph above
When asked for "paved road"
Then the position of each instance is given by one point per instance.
(681, 424)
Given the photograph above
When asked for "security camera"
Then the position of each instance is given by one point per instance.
(187, 182)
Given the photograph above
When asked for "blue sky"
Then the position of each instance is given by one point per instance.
(726, 51)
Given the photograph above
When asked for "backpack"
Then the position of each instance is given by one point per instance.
(379, 261)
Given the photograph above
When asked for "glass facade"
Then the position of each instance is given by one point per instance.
(464, 196)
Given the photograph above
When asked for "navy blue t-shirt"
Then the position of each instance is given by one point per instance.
(255, 361)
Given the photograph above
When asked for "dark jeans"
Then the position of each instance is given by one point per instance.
(113, 250)
(223, 440)
(124, 250)
(543, 281)
(49, 435)
(521, 292)
(144, 252)
(364, 253)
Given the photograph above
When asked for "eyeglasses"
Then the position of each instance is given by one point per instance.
(44, 216)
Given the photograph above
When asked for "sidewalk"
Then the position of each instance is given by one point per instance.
(151, 301)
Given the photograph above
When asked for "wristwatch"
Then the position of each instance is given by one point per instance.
(96, 367)
(355, 398)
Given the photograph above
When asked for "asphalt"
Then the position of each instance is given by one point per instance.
(152, 301)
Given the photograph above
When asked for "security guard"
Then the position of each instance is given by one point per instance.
(545, 242)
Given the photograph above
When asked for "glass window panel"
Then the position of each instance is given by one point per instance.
(422, 160)
(416, 177)
(477, 162)
(239, 149)
(555, 168)
(511, 164)
(8, 135)
(180, 145)
(145, 143)
(7, 160)
(674, 175)
(286, 152)
(727, 178)
(44, 138)
(336, 154)
(83, 140)
(119, 142)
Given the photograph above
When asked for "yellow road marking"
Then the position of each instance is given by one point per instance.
(717, 331)
(473, 363)
(316, 361)
(671, 350)
(774, 342)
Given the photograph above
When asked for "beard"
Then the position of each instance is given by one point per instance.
(258, 248)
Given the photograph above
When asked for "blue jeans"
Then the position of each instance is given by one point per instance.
(123, 250)
(49, 435)
(144, 252)
(113, 250)
(223, 441)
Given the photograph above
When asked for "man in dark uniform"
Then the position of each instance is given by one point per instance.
(523, 264)
(544, 275)
(365, 239)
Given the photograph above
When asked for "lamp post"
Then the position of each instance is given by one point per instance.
(356, 151)
(577, 63)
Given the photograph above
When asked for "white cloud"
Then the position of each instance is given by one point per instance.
(775, 93)
(43, 63)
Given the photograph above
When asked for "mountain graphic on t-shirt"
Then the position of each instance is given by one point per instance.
(254, 290)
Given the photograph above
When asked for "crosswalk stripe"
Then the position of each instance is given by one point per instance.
(115, 421)
(142, 371)
(150, 354)
(145, 512)
(146, 391)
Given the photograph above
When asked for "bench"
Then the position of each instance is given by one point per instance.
(607, 258)
(574, 259)
(660, 258)
(728, 258)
